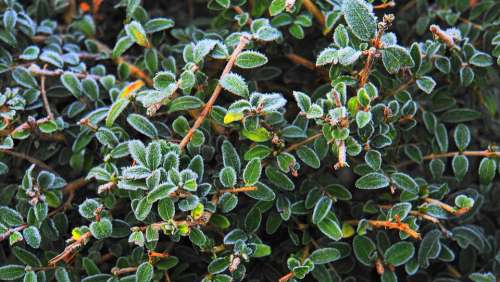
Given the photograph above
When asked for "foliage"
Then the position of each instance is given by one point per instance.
(234, 140)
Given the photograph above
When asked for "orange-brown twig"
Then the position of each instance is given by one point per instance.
(286, 277)
(454, 211)
(318, 15)
(120, 271)
(484, 153)
(69, 251)
(238, 190)
(442, 35)
(389, 4)
(208, 106)
(401, 226)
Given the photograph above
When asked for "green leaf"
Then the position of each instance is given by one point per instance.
(10, 216)
(101, 229)
(143, 125)
(257, 135)
(396, 57)
(460, 115)
(321, 209)
(399, 253)
(363, 249)
(330, 229)
(263, 193)
(32, 236)
(327, 56)
(144, 272)
(23, 77)
(252, 172)
(428, 247)
(235, 84)
(251, 59)
(218, 265)
(166, 209)
(227, 177)
(52, 58)
(363, 118)
(373, 159)
(372, 180)
(72, 83)
(303, 101)
(441, 135)
(426, 84)
(122, 45)
(197, 237)
(276, 7)
(463, 201)
(487, 170)
(185, 103)
(309, 157)
(11, 272)
(460, 166)
(405, 182)
(359, 17)
(230, 157)
(481, 59)
(325, 255)
(253, 220)
(135, 31)
(116, 109)
(279, 179)
(158, 24)
(462, 137)
(90, 89)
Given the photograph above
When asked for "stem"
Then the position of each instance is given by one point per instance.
(12, 230)
(208, 106)
(66, 255)
(308, 140)
(311, 7)
(403, 227)
(238, 190)
(484, 153)
(43, 92)
(446, 207)
(35, 70)
(286, 277)
(390, 4)
(299, 60)
(28, 158)
(119, 271)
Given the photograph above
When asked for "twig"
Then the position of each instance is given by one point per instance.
(484, 153)
(403, 227)
(389, 4)
(119, 271)
(308, 140)
(238, 190)
(286, 277)
(6, 235)
(454, 211)
(311, 7)
(66, 255)
(28, 158)
(208, 106)
(43, 92)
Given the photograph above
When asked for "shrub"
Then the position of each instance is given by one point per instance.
(264, 140)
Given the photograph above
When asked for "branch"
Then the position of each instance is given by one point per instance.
(308, 140)
(208, 106)
(311, 7)
(119, 271)
(28, 158)
(403, 227)
(454, 211)
(12, 230)
(43, 92)
(68, 252)
(238, 190)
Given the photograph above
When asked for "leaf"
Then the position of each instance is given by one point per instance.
(90, 89)
(363, 118)
(23, 77)
(399, 253)
(116, 109)
(373, 159)
(227, 177)
(32, 236)
(158, 24)
(460, 166)
(52, 58)
(348, 55)
(135, 31)
(230, 157)
(235, 84)
(441, 135)
(405, 182)
(462, 137)
(144, 272)
(460, 115)
(218, 265)
(487, 170)
(251, 59)
(426, 84)
(10, 216)
(143, 125)
(321, 209)
(257, 135)
(279, 179)
(396, 57)
(101, 229)
(481, 59)
(428, 246)
(325, 255)
(309, 157)
(327, 56)
(72, 83)
(330, 228)
(122, 45)
(184, 103)
(359, 17)
(372, 180)
(263, 193)
(363, 249)
(276, 7)
(252, 172)
(11, 272)
(303, 101)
